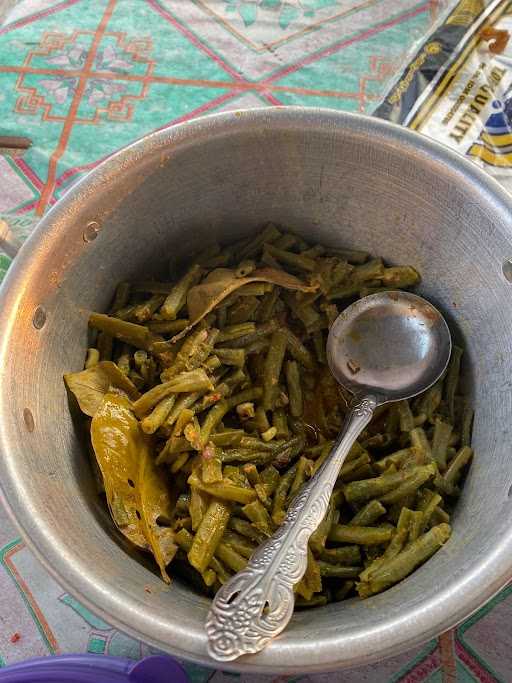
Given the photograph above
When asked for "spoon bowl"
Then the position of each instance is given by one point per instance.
(391, 345)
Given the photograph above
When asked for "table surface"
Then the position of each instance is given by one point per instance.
(82, 78)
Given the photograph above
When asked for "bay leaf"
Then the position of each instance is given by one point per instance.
(137, 492)
(221, 282)
(90, 386)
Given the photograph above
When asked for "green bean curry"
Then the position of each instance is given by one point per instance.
(209, 404)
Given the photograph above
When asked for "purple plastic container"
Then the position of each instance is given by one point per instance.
(94, 669)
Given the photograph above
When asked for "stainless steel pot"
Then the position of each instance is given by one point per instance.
(336, 179)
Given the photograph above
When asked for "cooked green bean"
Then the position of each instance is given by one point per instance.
(429, 402)
(373, 270)
(245, 528)
(344, 590)
(441, 439)
(400, 277)
(287, 452)
(212, 466)
(123, 361)
(269, 434)
(467, 424)
(338, 571)
(294, 388)
(231, 356)
(199, 501)
(224, 489)
(286, 241)
(368, 514)
(280, 423)
(186, 382)
(452, 380)
(193, 353)
(344, 292)
(269, 234)
(311, 582)
(395, 546)
(258, 515)
(457, 464)
(297, 349)
(278, 512)
(256, 444)
(231, 437)
(428, 505)
(353, 465)
(318, 343)
(122, 296)
(144, 311)
(230, 557)
(233, 378)
(246, 455)
(323, 457)
(415, 525)
(208, 535)
(301, 473)
(136, 335)
(232, 332)
(406, 561)
(240, 411)
(269, 479)
(419, 440)
(319, 537)
(184, 402)
(267, 306)
(359, 491)
(405, 416)
(305, 312)
(261, 332)
(177, 298)
(157, 417)
(360, 535)
(289, 258)
(252, 394)
(345, 555)
(354, 256)
(242, 310)
(185, 540)
(316, 601)
(272, 369)
(401, 458)
(261, 420)
(417, 477)
(93, 358)
(168, 326)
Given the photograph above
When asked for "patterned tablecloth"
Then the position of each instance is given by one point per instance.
(82, 78)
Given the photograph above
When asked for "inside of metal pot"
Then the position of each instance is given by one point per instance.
(339, 187)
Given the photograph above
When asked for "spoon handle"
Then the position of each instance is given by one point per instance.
(257, 603)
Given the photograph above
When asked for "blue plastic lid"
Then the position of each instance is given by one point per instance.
(94, 669)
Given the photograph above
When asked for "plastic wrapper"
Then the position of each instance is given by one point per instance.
(457, 85)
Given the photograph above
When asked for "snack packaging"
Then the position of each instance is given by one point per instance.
(457, 86)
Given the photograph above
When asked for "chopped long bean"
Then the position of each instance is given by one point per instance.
(360, 535)
(272, 369)
(178, 295)
(231, 399)
(209, 534)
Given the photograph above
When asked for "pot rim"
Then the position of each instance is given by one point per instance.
(285, 655)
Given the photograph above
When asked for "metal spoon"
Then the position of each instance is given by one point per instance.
(386, 347)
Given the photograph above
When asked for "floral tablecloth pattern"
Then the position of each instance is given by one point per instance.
(82, 78)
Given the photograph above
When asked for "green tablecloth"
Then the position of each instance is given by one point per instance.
(82, 78)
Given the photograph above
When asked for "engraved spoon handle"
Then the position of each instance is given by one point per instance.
(257, 603)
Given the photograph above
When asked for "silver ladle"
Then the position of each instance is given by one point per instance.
(386, 347)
